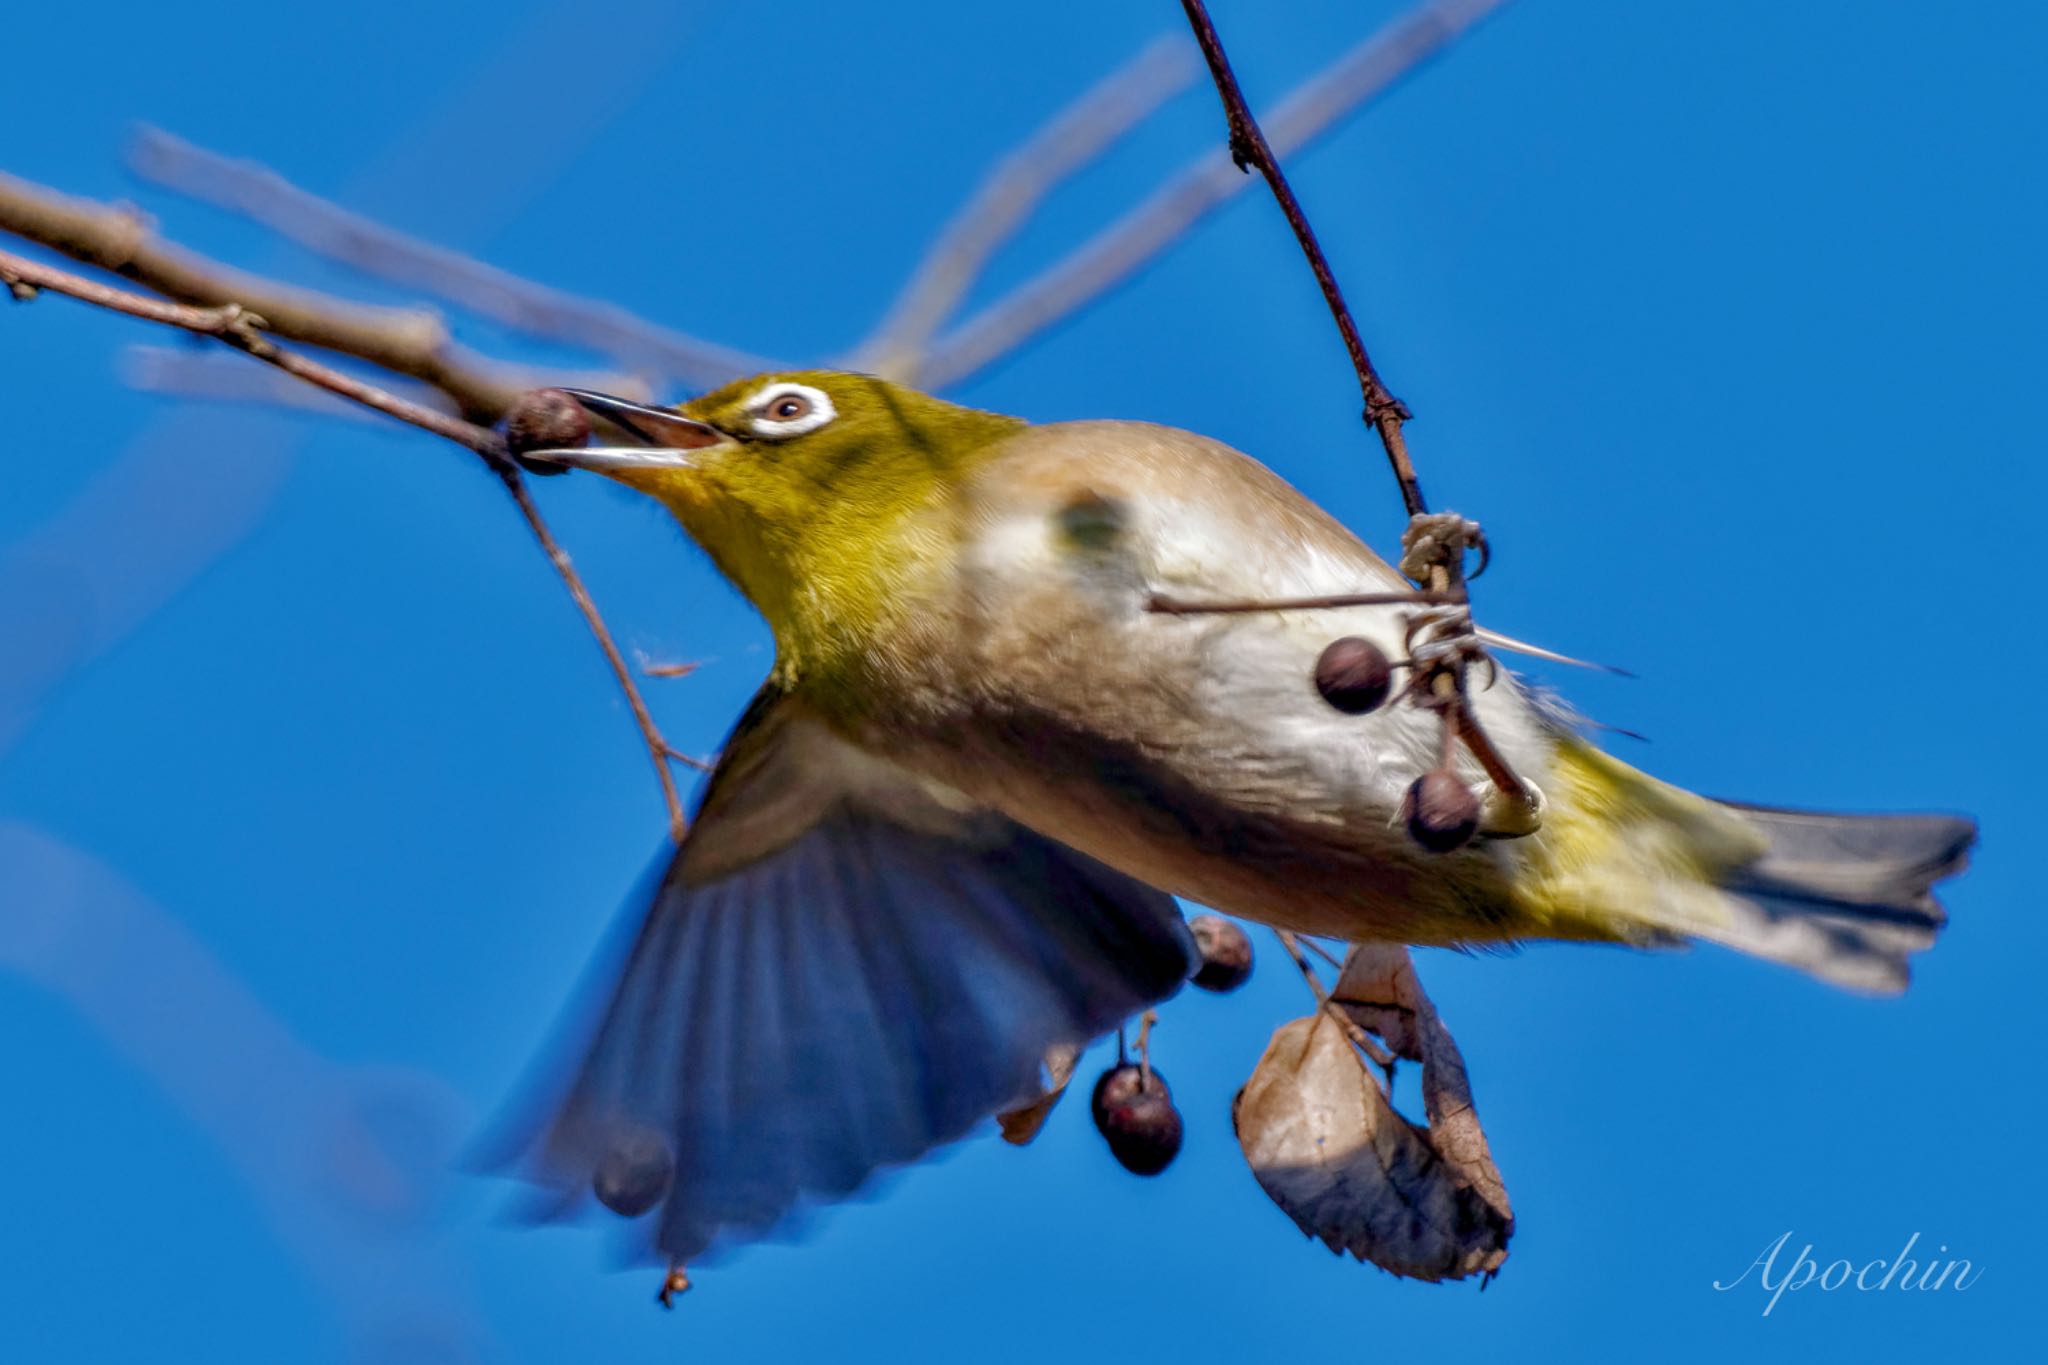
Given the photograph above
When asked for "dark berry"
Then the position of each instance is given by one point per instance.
(1137, 1116)
(1353, 675)
(1145, 1135)
(1440, 811)
(1226, 953)
(545, 419)
(1116, 1086)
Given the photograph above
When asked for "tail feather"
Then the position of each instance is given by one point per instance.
(1848, 898)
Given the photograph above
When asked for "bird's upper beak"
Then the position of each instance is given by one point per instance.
(661, 439)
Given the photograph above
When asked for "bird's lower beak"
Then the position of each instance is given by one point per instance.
(661, 439)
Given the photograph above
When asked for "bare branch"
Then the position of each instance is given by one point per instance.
(247, 312)
(234, 325)
(658, 748)
(260, 194)
(210, 376)
(1249, 150)
(1360, 1039)
(1174, 606)
(1011, 191)
(1129, 243)
(409, 342)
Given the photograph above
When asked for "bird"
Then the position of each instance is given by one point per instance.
(947, 834)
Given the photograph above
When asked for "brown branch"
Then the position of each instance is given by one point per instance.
(1249, 149)
(234, 325)
(185, 373)
(1011, 191)
(409, 342)
(688, 760)
(1174, 606)
(179, 371)
(413, 344)
(658, 748)
(262, 195)
(1320, 951)
(1120, 250)
(1144, 1047)
(1360, 1039)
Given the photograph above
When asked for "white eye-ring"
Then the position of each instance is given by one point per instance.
(784, 410)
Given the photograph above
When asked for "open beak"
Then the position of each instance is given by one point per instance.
(660, 439)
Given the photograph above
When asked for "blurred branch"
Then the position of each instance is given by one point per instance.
(456, 394)
(409, 342)
(350, 1202)
(1119, 250)
(1011, 191)
(234, 325)
(414, 342)
(258, 193)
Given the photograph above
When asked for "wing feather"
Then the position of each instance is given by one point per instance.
(869, 970)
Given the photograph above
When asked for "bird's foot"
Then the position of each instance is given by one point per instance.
(1439, 540)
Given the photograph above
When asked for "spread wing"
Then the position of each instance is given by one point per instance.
(843, 967)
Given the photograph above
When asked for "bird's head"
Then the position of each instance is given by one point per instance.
(803, 487)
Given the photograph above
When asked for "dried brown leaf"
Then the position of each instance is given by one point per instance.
(1368, 990)
(1379, 989)
(1334, 1154)
(1021, 1124)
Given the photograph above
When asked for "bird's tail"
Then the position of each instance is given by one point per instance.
(1847, 898)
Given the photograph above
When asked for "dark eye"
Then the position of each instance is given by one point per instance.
(784, 410)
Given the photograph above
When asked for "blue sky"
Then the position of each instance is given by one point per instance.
(314, 797)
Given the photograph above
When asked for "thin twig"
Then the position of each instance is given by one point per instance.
(236, 326)
(179, 371)
(1133, 240)
(688, 760)
(406, 341)
(1250, 150)
(1174, 606)
(1011, 191)
(1360, 1039)
(185, 373)
(658, 748)
(262, 195)
(1292, 943)
(1320, 951)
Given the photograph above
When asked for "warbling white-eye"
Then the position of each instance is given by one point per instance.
(946, 834)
